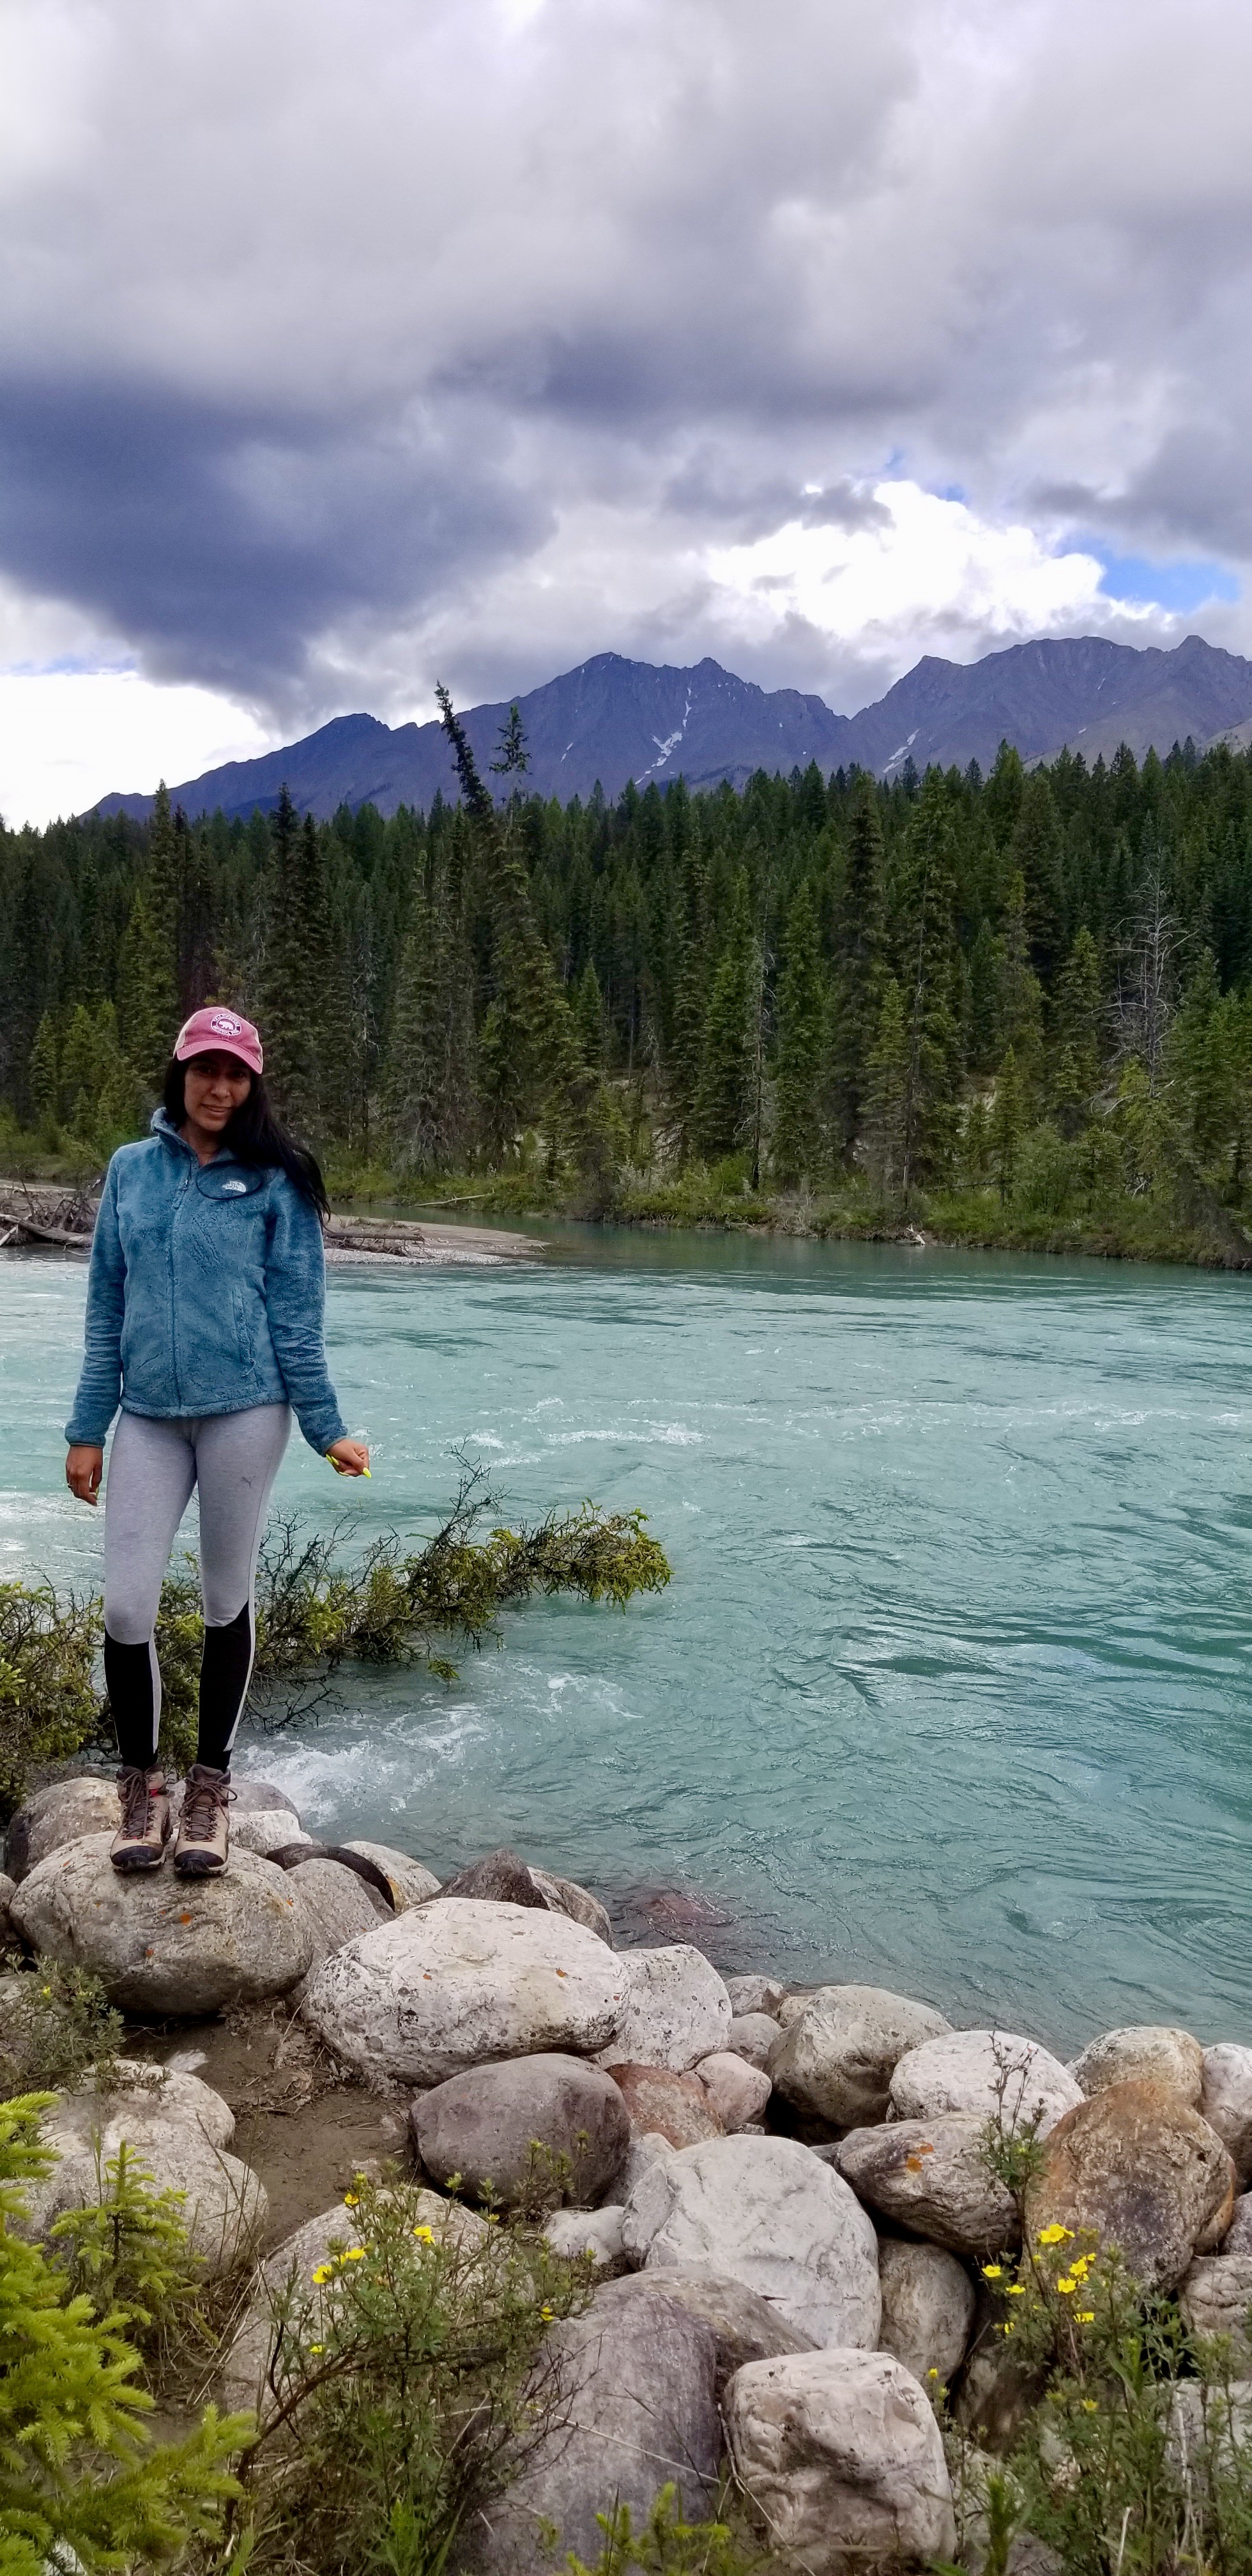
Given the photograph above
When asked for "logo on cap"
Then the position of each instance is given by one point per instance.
(223, 1026)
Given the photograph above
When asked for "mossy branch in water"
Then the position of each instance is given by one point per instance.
(316, 1610)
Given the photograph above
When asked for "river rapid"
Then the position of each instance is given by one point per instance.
(951, 1691)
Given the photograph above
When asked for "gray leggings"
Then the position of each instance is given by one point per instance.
(153, 1468)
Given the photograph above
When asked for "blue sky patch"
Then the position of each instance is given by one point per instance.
(1181, 586)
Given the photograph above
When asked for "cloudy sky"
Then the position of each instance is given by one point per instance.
(345, 344)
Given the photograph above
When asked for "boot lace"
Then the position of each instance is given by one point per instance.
(136, 1797)
(203, 1801)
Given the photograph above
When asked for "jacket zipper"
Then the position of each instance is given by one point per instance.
(178, 1205)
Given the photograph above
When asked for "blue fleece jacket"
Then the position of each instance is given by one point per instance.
(205, 1294)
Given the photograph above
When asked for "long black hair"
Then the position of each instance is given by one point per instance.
(255, 1136)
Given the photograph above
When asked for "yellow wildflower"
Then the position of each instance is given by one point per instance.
(1055, 2234)
(323, 2272)
(352, 2200)
(424, 2235)
(1090, 2406)
(1016, 2290)
(1085, 2316)
(547, 2315)
(356, 2254)
(317, 2347)
(1065, 2287)
(932, 2373)
(992, 2271)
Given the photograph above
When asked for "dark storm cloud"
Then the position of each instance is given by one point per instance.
(322, 318)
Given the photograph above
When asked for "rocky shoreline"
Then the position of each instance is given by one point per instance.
(788, 2202)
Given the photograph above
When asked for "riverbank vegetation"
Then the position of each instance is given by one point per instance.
(317, 1608)
(1014, 1009)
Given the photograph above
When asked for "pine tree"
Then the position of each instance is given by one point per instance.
(147, 992)
(43, 1080)
(886, 1095)
(1007, 1122)
(80, 1068)
(514, 760)
(725, 1098)
(927, 951)
(1079, 1013)
(589, 1016)
(1037, 852)
(986, 991)
(691, 997)
(302, 979)
(856, 993)
(1021, 996)
(798, 1141)
(430, 1087)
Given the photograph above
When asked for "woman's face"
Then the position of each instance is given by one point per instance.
(214, 1087)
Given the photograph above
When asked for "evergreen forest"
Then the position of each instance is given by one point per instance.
(1012, 1008)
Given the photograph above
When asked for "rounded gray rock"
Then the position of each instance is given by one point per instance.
(986, 2071)
(1148, 2052)
(59, 1814)
(166, 1946)
(675, 2009)
(175, 2128)
(927, 2308)
(767, 2213)
(549, 2122)
(842, 2455)
(464, 1982)
(411, 1883)
(752, 2035)
(1226, 2101)
(836, 2057)
(339, 1905)
(1215, 2296)
(931, 2176)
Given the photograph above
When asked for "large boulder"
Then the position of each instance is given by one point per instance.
(461, 1982)
(842, 2456)
(836, 2058)
(664, 2105)
(1238, 2236)
(737, 2091)
(549, 2125)
(1146, 2052)
(8, 1929)
(60, 1814)
(165, 1946)
(764, 2211)
(631, 2399)
(755, 1995)
(287, 2298)
(178, 2131)
(593, 2235)
(1226, 2101)
(1137, 2168)
(339, 1905)
(565, 1896)
(1216, 2299)
(932, 2176)
(747, 2327)
(409, 1881)
(1210, 2423)
(753, 2035)
(268, 1829)
(927, 2308)
(992, 2072)
(675, 2009)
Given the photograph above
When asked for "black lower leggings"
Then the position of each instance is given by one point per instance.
(154, 1467)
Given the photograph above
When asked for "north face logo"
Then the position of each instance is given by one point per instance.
(223, 1026)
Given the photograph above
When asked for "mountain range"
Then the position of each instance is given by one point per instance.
(612, 720)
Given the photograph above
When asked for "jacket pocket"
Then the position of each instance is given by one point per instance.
(243, 1338)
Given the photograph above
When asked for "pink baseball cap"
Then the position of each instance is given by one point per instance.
(216, 1031)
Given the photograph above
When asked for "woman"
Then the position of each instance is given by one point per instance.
(204, 1318)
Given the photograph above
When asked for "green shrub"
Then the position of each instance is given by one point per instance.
(58, 2026)
(77, 2470)
(668, 2546)
(48, 1705)
(403, 2389)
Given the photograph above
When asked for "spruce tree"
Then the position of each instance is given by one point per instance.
(514, 758)
(80, 1067)
(1007, 1123)
(1021, 995)
(798, 1140)
(147, 992)
(1037, 852)
(589, 1016)
(691, 997)
(429, 1093)
(43, 1077)
(886, 1095)
(926, 938)
(725, 1098)
(302, 984)
(856, 991)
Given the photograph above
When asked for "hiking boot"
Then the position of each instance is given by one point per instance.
(144, 1831)
(203, 1827)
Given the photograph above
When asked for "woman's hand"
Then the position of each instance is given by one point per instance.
(351, 1457)
(84, 1467)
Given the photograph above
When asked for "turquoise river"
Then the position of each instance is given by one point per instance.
(951, 1691)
